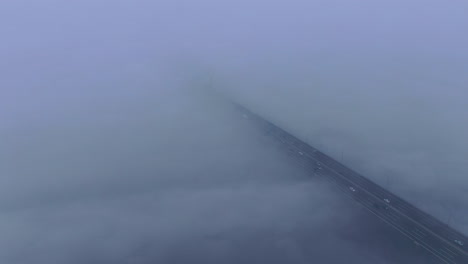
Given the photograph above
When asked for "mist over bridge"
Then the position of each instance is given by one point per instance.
(437, 238)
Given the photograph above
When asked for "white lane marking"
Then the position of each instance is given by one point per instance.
(393, 217)
(417, 235)
(371, 194)
(450, 250)
(446, 254)
(369, 206)
(365, 202)
(420, 232)
(423, 244)
(408, 235)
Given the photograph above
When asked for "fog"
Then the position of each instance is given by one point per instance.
(119, 147)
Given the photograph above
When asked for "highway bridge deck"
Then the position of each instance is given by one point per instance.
(437, 238)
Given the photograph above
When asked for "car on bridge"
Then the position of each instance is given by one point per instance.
(459, 242)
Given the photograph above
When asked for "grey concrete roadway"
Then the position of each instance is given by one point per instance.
(438, 239)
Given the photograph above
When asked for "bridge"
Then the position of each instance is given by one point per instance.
(437, 238)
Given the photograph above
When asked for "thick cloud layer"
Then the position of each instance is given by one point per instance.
(406, 133)
(113, 151)
(176, 179)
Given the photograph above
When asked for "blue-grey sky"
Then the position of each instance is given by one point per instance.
(113, 152)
